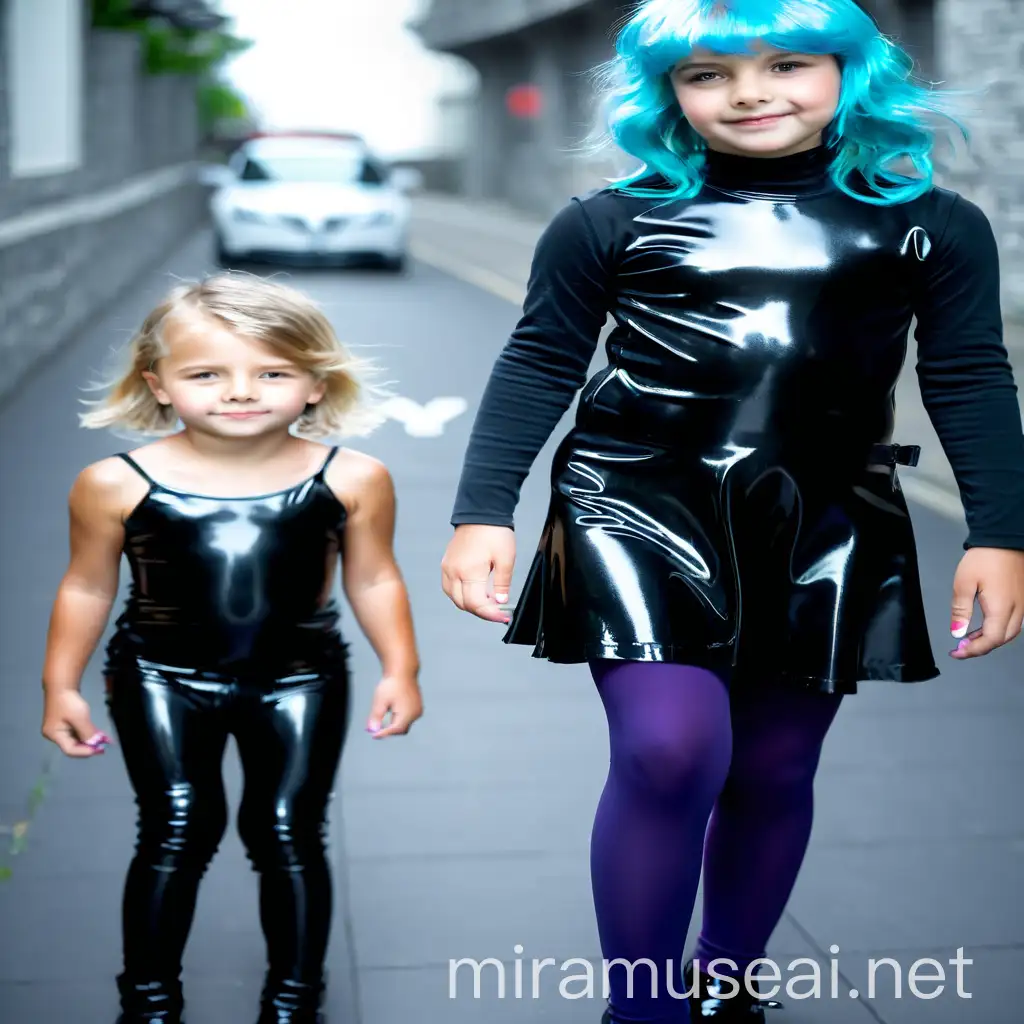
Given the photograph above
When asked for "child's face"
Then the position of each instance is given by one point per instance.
(768, 104)
(221, 383)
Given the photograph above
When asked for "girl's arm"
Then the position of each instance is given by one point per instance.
(82, 606)
(969, 392)
(966, 380)
(377, 594)
(542, 366)
(533, 382)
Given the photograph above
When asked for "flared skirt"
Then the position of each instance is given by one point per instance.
(773, 569)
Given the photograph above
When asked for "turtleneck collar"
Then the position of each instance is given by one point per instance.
(799, 174)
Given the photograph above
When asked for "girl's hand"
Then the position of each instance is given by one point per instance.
(996, 577)
(472, 553)
(68, 723)
(401, 696)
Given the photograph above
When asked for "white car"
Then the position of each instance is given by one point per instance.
(309, 200)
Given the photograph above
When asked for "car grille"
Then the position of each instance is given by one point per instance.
(300, 224)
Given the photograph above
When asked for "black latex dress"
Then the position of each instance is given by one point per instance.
(728, 495)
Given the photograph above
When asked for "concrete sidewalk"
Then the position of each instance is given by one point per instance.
(469, 838)
(490, 245)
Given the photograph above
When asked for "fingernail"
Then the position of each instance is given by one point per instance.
(373, 727)
(501, 598)
(963, 643)
(958, 629)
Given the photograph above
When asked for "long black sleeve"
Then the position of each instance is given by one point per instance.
(966, 380)
(542, 366)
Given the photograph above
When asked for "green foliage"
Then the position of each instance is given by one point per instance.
(14, 837)
(189, 52)
(115, 14)
(219, 102)
(168, 49)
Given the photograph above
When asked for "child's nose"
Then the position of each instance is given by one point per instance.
(240, 387)
(749, 90)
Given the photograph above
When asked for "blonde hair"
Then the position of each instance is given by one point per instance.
(283, 318)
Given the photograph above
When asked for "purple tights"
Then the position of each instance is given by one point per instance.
(683, 751)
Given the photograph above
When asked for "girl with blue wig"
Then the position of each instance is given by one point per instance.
(727, 545)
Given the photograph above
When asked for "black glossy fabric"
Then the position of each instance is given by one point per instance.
(229, 632)
(233, 586)
(719, 499)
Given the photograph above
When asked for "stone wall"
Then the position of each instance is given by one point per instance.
(71, 242)
(463, 22)
(968, 44)
(980, 48)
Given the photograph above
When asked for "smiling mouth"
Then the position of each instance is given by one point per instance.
(240, 415)
(765, 119)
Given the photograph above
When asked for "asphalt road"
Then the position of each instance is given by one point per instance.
(469, 837)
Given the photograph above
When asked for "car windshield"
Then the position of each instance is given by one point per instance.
(333, 168)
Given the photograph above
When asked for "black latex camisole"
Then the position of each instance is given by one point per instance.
(236, 587)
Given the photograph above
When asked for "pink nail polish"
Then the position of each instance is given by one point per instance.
(958, 629)
(963, 644)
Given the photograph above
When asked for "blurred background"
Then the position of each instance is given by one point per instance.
(397, 159)
(107, 105)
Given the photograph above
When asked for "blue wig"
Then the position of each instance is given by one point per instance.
(881, 119)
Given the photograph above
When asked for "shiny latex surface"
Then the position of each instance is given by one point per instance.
(716, 999)
(228, 587)
(229, 630)
(716, 502)
(172, 730)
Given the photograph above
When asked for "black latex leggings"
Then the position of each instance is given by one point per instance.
(172, 732)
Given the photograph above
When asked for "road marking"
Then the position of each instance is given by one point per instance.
(504, 287)
(424, 420)
(933, 496)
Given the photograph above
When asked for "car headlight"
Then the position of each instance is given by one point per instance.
(249, 216)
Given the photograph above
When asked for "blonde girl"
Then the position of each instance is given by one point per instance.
(232, 521)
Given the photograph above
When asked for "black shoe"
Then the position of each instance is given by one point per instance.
(150, 1002)
(712, 999)
(146, 1018)
(291, 1002)
(279, 1016)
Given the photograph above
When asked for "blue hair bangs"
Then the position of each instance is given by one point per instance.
(672, 29)
(882, 118)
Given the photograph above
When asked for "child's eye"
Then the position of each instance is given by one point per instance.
(201, 375)
(791, 64)
(277, 373)
(701, 76)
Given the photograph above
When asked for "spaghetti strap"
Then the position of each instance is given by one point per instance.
(138, 469)
(327, 462)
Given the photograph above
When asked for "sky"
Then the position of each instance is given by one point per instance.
(345, 64)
